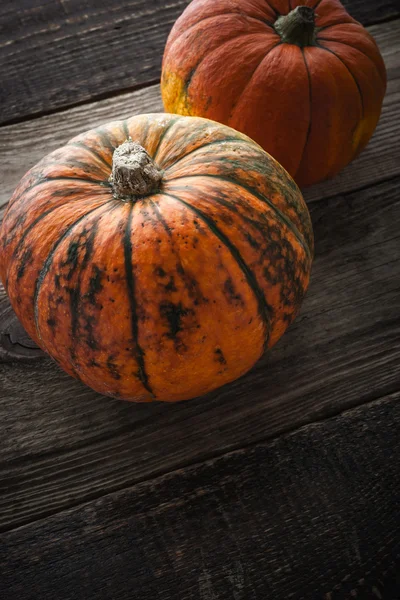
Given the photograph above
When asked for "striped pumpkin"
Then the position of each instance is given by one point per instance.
(158, 268)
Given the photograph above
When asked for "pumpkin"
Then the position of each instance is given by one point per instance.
(303, 79)
(156, 258)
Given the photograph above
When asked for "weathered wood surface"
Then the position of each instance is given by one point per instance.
(64, 444)
(315, 514)
(312, 515)
(56, 54)
(21, 146)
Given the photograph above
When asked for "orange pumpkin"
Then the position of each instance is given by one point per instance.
(158, 268)
(303, 79)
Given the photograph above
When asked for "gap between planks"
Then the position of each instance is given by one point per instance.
(310, 512)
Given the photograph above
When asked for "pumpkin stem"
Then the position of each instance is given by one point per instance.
(298, 27)
(134, 173)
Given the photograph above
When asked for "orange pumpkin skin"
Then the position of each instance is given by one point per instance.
(312, 107)
(166, 296)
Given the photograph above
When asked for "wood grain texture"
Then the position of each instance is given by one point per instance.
(312, 515)
(21, 147)
(63, 444)
(56, 54)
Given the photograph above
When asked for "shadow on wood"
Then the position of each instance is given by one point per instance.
(311, 516)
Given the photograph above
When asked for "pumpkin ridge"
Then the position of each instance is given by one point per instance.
(91, 151)
(14, 216)
(208, 54)
(125, 128)
(351, 73)
(232, 208)
(353, 48)
(164, 133)
(268, 23)
(246, 224)
(144, 131)
(263, 308)
(355, 81)
(41, 180)
(213, 143)
(48, 262)
(298, 235)
(160, 217)
(105, 138)
(277, 13)
(79, 164)
(130, 280)
(75, 294)
(231, 115)
(190, 283)
(336, 24)
(310, 111)
(29, 229)
(316, 4)
(223, 14)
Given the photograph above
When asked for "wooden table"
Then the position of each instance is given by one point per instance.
(285, 484)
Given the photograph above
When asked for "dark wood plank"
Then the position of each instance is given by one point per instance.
(56, 54)
(312, 515)
(62, 444)
(21, 146)
(369, 12)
